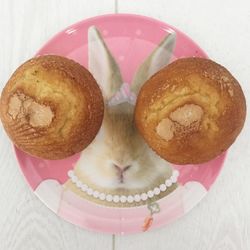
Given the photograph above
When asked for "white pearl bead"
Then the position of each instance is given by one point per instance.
(130, 199)
(102, 196)
(116, 198)
(71, 173)
(163, 187)
(109, 197)
(78, 184)
(84, 187)
(74, 179)
(168, 183)
(150, 194)
(144, 196)
(176, 173)
(157, 191)
(96, 194)
(90, 191)
(123, 199)
(173, 179)
(137, 198)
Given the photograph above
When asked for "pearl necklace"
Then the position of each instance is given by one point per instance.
(122, 198)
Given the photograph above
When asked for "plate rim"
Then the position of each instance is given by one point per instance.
(75, 25)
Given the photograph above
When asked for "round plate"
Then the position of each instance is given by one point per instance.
(130, 38)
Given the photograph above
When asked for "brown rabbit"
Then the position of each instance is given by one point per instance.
(118, 161)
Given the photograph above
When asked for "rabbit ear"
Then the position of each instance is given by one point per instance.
(102, 64)
(158, 59)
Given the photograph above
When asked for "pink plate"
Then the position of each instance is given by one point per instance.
(130, 38)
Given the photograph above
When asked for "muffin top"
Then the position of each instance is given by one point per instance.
(51, 107)
(190, 111)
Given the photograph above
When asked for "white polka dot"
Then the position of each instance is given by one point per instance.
(116, 198)
(150, 194)
(123, 199)
(96, 194)
(168, 183)
(144, 196)
(130, 199)
(137, 197)
(163, 187)
(109, 197)
(157, 191)
(102, 196)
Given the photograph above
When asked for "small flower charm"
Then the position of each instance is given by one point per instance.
(154, 208)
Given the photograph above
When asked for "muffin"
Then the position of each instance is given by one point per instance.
(51, 107)
(190, 111)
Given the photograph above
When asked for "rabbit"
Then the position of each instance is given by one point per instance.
(118, 161)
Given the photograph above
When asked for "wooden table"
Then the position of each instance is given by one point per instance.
(222, 219)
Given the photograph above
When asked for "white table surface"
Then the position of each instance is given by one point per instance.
(222, 220)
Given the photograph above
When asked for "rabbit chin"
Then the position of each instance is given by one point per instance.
(128, 183)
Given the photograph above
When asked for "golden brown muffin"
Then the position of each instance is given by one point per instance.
(190, 111)
(51, 107)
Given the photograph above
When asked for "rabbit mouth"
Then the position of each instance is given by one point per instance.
(121, 179)
(121, 182)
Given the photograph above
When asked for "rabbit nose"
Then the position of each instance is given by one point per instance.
(122, 169)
